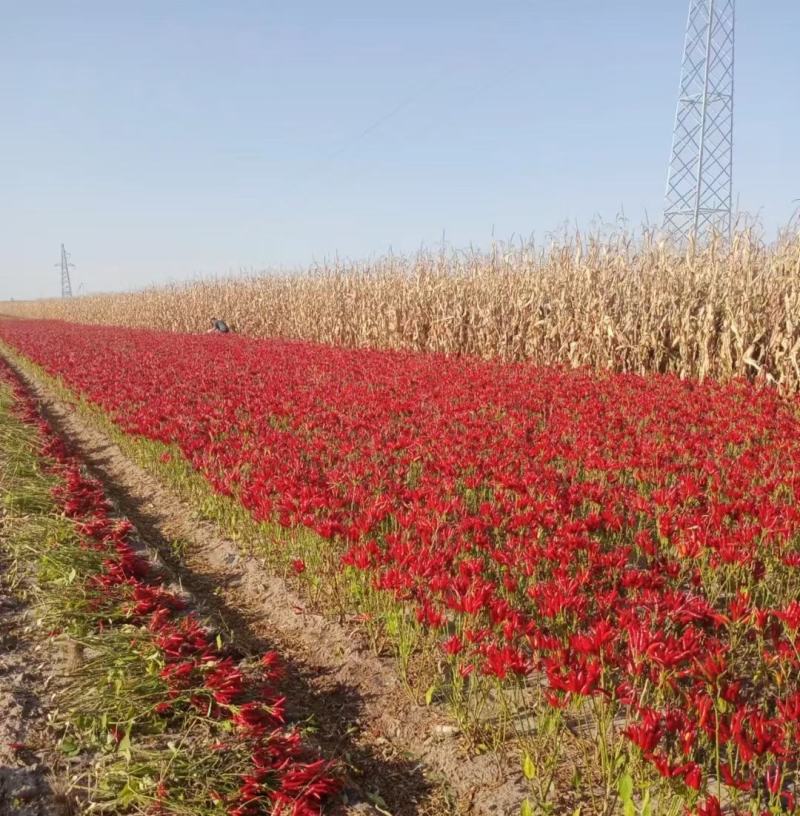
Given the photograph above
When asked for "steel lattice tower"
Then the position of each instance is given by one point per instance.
(66, 285)
(699, 183)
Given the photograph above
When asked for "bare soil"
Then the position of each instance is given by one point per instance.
(399, 757)
(28, 787)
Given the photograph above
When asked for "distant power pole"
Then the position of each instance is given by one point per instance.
(66, 286)
(699, 183)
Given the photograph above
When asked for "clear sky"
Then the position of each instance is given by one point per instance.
(161, 140)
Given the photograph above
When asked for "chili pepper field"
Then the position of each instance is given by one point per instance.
(599, 573)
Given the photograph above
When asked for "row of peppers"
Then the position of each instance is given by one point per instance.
(635, 541)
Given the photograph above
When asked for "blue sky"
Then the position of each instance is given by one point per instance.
(165, 140)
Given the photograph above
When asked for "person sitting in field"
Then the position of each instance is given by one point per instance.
(218, 326)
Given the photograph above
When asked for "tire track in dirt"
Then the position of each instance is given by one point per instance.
(361, 710)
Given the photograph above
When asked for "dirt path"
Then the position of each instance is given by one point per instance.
(27, 786)
(361, 712)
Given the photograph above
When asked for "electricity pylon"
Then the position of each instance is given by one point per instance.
(700, 178)
(66, 285)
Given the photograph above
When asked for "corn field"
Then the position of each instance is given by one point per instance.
(623, 304)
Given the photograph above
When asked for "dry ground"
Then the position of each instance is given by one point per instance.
(27, 785)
